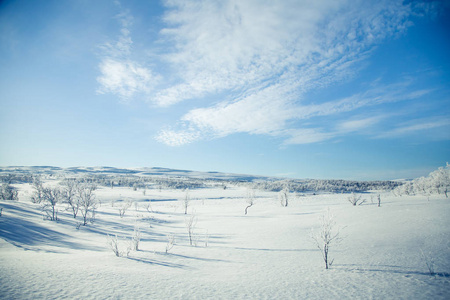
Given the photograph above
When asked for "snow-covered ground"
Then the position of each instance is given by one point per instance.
(266, 254)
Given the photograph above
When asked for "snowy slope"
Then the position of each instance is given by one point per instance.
(267, 254)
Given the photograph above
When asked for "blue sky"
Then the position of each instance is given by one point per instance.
(304, 89)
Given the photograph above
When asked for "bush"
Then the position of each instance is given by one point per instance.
(356, 200)
(8, 192)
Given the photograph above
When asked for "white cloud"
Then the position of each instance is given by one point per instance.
(271, 110)
(229, 45)
(307, 136)
(262, 112)
(236, 44)
(124, 78)
(121, 75)
(358, 125)
(268, 54)
(257, 59)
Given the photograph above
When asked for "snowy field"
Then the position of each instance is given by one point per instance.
(267, 254)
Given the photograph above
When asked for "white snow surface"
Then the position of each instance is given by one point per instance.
(266, 254)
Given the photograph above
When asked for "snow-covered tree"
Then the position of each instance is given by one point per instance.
(190, 223)
(38, 190)
(327, 236)
(69, 194)
(437, 182)
(284, 196)
(50, 197)
(186, 200)
(250, 199)
(88, 203)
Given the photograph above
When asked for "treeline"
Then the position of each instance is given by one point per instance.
(146, 182)
(319, 185)
(181, 182)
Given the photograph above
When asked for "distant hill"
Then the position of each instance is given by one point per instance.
(145, 171)
(180, 179)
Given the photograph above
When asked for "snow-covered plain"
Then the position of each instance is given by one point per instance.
(266, 254)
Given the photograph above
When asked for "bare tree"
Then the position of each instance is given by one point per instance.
(190, 225)
(186, 201)
(51, 197)
(326, 237)
(38, 190)
(69, 193)
(355, 200)
(250, 199)
(88, 203)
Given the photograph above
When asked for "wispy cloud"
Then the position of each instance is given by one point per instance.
(307, 136)
(268, 55)
(236, 45)
(358, 124)
(419, 126)
(121, 75)
(265, 112)
(257, 60)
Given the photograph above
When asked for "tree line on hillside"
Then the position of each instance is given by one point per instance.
(437, 182)
(332, 186)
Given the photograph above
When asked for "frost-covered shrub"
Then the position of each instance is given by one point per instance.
(170, 242)
(355, 199)
(113, 244)
(125, 206)
(136, 238)
(428, 260)
(8, 192)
